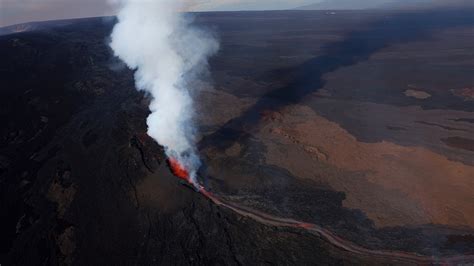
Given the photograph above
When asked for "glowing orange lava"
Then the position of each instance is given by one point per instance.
(178, 170)
(305, 225)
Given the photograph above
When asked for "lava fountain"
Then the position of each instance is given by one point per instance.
(182, 173)
(179, 171)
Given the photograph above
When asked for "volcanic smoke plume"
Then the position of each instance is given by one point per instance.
(157, 40)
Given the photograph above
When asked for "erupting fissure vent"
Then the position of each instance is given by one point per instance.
(178, 170)
(182, 173)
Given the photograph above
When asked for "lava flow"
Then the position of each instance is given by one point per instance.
(182, 173)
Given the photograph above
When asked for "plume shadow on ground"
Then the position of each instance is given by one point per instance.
(355, 47)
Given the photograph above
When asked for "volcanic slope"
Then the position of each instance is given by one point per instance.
(81, 184)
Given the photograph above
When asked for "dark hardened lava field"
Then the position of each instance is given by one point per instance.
(82, 184)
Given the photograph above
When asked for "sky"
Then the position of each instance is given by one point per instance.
(19, 11)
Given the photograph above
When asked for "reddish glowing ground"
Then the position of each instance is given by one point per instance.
(179, 170)
(182, 173)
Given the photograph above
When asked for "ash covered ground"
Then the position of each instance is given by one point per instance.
(358, 122)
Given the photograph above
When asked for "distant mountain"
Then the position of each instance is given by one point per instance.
(385, 4)
(344, 4)
(409, 4)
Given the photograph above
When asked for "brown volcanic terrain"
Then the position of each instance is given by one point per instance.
(397, 185)
(385, 131)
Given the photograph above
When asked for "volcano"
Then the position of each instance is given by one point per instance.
(298, 150)
(82, 184)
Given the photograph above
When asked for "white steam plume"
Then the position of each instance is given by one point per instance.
(156, 39)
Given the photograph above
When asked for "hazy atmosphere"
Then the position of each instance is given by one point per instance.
(20, 11)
